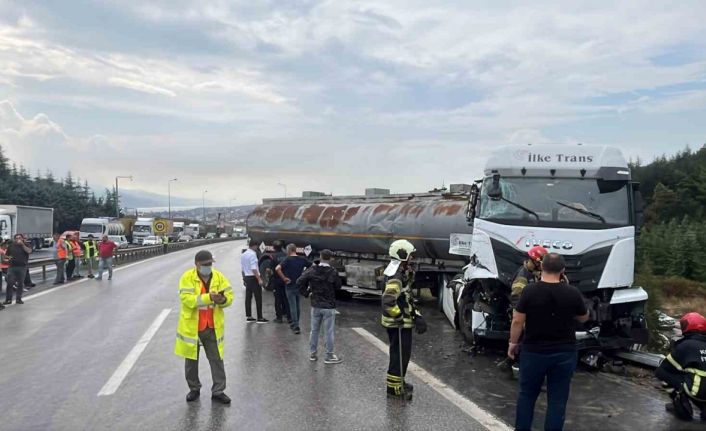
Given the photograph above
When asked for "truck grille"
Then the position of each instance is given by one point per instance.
(584, 270)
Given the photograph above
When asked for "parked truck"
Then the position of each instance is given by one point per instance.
(100, 226)
(577, 200)
(35, 223)
(177, 230)
(143, 227)
(193, 230)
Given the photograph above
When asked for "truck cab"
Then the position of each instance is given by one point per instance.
(576, 200)
(142, 228)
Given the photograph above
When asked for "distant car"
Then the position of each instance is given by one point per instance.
(152, 240)
(210, 235)
(224, 235)
(184, 238)
(48, 242)
(120, 240)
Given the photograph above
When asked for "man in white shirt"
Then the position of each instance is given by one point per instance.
(252, 281)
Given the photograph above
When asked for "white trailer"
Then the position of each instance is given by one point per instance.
(143, 227)
(35, 223)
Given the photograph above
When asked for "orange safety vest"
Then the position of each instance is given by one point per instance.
(76, 248)
(61, 249)
(205, 315)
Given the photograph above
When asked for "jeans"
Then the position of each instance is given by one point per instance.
(102, 263)
(15, 278)
(294, 304)
(60, 274)
(252, 288)
(558, 368)
(328, 317)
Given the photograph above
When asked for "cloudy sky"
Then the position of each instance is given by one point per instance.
(336, 96)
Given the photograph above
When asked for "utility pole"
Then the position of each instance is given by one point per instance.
(285, 188)
(169, 195)
(203, 203)
(117, 195)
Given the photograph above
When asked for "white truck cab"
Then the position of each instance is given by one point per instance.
(576, 200)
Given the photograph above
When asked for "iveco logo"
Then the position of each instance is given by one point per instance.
(549, 244)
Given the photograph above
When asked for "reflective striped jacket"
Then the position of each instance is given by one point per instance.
(397, 307)
(192, 300)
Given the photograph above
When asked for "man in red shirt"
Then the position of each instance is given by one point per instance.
(106, 251)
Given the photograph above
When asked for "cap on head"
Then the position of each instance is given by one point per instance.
(401, 250)
(692, 322)
(204, 256)
(537, 253)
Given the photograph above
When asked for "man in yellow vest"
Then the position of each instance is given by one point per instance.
(204, 293)
(90, 251)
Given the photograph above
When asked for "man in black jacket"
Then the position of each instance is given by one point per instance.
(684, 369)
(321, 282)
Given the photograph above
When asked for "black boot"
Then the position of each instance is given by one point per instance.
(398, 393)
(193, 396)
(221, 398)
(408, 387)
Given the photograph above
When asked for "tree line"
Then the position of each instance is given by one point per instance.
(71, 198)
(672, 240)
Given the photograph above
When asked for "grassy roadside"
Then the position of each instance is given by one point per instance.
(673, 295)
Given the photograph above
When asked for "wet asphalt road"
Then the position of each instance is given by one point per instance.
(59, 349)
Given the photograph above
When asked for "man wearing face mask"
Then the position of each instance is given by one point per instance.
(204, 293)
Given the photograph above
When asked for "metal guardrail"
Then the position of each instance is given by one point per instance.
(136, 253)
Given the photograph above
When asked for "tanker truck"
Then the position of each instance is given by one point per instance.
(100, 226)
(359, 230)
(576, 200)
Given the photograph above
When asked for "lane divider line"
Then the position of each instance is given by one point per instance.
(84, 280)
(124, 368)
(482, 416)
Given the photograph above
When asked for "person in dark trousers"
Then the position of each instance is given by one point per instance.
(548, 311)
(684, 369)
(60, 253)
(321, 283)
(399, 317)
(70, 257)
(278, 287)
(204, 293)
(18, 254)
(253, 282)
(3, 266)
(291, 268)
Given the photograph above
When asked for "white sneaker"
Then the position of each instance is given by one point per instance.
(333, 359)
(313, 357)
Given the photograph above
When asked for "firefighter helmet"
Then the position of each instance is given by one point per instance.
(401, 250)
(537, 252)
(692, 322)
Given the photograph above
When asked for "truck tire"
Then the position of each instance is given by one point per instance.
(465, 313)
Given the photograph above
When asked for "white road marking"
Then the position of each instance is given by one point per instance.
(124, 368)
(485, 418)
(83, 280)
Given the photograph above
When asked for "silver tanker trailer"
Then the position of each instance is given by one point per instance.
(359, 230)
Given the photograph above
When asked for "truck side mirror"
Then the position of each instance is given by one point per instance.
(472, 202)
(494, 190)
(638, 204)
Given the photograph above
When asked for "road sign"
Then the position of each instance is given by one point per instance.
(307, 250)
(160, 227)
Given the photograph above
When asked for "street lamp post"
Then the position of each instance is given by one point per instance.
(117, 195)
(203, 203)
(169, 195)
(285, 188)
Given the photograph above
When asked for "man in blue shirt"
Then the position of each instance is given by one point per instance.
(289, 271)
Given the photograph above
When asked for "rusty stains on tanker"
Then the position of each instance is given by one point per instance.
(413, 210)
(332, 217)
(350, 213)
(312, 213)
(383, 208)
(274, 213)
(447, 209)
(290, 212)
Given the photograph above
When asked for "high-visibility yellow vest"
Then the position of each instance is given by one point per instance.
(192, 300)
(90, 249)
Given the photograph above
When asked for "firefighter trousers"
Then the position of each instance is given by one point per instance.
(394, 374)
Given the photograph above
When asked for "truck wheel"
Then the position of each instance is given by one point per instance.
(465, 319)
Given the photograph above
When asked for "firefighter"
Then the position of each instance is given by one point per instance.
(399, 316)
(684, 369)
(528, 273)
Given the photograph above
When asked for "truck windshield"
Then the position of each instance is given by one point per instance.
(142, 228)
(558, 202)
(92, 228)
